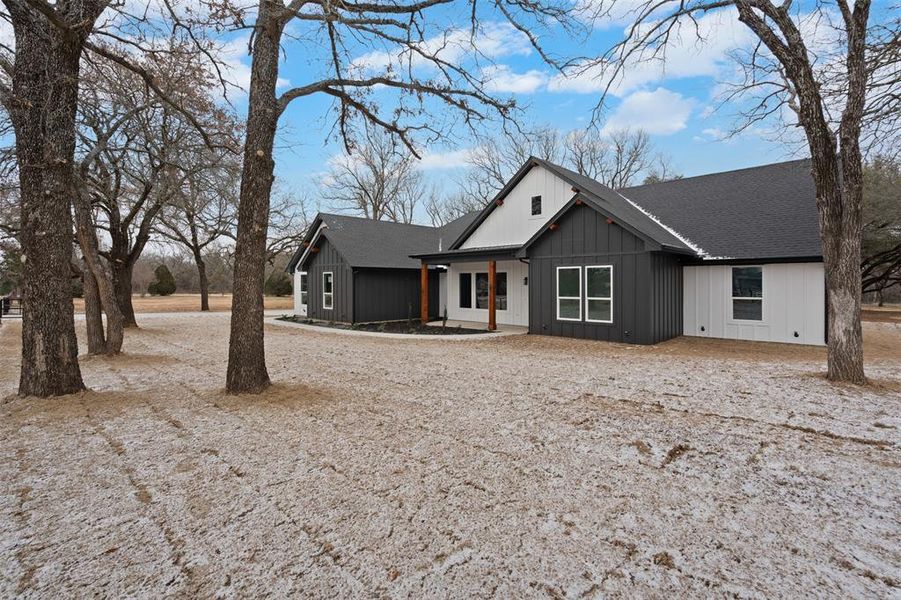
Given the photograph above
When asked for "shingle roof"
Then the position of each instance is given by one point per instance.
(759, 212)
(367, 243)
(621, 208)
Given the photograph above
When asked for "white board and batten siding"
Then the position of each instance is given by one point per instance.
(794, 301)
(513, 223)
(517, 312)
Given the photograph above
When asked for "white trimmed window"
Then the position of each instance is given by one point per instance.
(747, 293)
(328, 293)
(599, 294)
(303, 288)
(569, 293)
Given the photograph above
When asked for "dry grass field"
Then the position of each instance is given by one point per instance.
(522, 466)
(191, 303)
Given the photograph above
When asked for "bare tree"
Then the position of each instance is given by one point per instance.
(40, 93)
(39, 89)
(396, 25)
(203, 211)
(442, 209)
(289, 219)
(614, 158)
(378, 180)
(834, 98)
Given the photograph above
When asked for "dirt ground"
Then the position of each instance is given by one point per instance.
(191, 303)
(522, 466)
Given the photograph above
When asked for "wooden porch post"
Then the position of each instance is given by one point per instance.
(424, 294)
(492, 299)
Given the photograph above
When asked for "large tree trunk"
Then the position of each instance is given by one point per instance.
(92, 313)
(246, 356)
(42, 110)
(122, 272)
(204, 281)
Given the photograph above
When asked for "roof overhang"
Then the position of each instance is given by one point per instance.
(309, 240)
(752, 261)
(469, 255)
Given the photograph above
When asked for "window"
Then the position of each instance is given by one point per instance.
(482, 290)
(328, 296)
(465, 290)
(500, 293)
(747, 293)
(303, 288)
(536, 205)
(569, 293)
(599, 294)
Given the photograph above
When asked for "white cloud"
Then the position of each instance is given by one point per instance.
(493, 40)
(661, 112)
(501, 78)
(452, 159)
(690, 53)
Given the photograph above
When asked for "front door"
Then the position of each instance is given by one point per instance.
(304, 294)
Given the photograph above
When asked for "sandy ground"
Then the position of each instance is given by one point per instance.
(190, 303)
(517, 467)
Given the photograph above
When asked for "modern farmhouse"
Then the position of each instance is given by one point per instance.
(728, 255)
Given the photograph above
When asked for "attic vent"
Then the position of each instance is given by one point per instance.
(536, 205)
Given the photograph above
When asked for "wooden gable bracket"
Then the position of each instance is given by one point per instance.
(575, 189)
(553, 227)
(499, 202)
(609, 221)
(578, 202)
(306, 244)
(314, 250)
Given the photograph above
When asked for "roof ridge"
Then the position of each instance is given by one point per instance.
(379, 221)
(766, 166)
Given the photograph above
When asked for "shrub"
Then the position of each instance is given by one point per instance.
(278, 284)
(163, 284)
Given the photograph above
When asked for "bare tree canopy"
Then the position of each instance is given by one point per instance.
(616, 158)
(839, 93)
(378, 180)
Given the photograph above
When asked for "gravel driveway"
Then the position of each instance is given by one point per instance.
(520, 466)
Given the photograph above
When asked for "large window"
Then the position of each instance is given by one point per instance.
(465, 290)
(328, 292)
(569, 293)
(747, 293)
(536, 205)
(599, 294)
(500, 293)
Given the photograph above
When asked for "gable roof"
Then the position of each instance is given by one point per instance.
(759, 212)
(589, 200)
(606, 200)
(367, 243)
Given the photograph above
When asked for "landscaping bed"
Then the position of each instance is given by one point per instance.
(412, 327)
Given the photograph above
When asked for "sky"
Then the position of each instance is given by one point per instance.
(676, 102)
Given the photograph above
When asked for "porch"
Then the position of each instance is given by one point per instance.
(482, 287)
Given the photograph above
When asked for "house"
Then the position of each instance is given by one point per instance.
(728, 255)
(356, 270)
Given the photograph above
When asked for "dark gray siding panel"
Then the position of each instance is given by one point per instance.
(391, 294)
(666, 315)
(647, 287)
(329, 260)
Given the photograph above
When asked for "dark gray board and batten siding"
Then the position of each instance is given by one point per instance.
(328, 259)
(391, 294)
(647, 292)
(364, 295)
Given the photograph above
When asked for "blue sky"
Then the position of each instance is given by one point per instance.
(675, 102)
